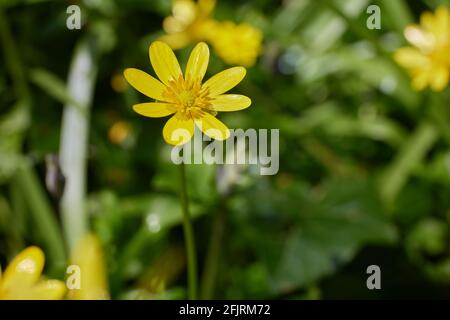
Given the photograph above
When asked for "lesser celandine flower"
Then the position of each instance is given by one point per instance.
(88, 256)
(239, 44)
(428, 60)
(22, 279)
(190, 101)
(190, 22)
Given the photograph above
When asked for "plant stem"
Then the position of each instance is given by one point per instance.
(213, 257)
(188, 237)
(438, 113)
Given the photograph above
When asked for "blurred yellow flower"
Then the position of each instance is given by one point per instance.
(428, 61)
(190, 22)
(237, 44)
(88, 256)
(191, 102)
(119, 132)
(22, 279)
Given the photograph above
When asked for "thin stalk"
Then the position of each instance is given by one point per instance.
(188, 237)
(213, 257)
(438, 113)
(19, 210)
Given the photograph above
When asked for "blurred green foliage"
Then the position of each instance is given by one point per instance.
(364, 160)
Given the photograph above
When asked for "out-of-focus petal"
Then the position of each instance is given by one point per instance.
(88, 256)
(420, 80)
(24, 270)
(420, 38)
(184, 11)
(411, 58)
(440, 78)
(176, 40)
(206, 6)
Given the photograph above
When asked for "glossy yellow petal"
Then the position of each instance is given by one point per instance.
(230, 102)
(198, 62)
(24, 270)
(411, 58)
(164, 62)
(154, 109)
(178, 130)
(176, 40)
(213, 127)
(145, 83)
(439, 80)
(88, 256)
(225, 80)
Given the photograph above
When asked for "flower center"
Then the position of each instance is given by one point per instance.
(186, 98)
(189, 98)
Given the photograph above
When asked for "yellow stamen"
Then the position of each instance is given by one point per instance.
(191, 100)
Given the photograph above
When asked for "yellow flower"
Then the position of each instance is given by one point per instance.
(22, 279)
(191, 102)
(190, 22)
(428, 61)
(88, 256)
(237, 44)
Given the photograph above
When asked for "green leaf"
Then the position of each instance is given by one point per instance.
(12, 130)
(408, 158)
(54, 87)
(330, 233)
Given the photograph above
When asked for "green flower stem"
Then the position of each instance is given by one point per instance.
(439, 114)
(213, 257)
(188, 237)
